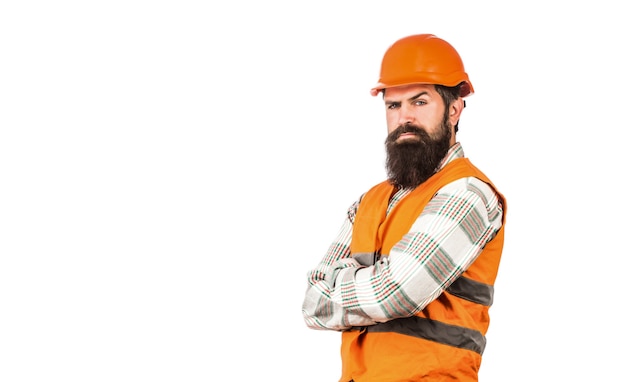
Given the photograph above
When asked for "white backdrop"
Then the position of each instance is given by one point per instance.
(170, 170)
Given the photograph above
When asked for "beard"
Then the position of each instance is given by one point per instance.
(412, 161)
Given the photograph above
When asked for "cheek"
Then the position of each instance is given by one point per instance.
(432, 122)
(391, 127)
(392, 122)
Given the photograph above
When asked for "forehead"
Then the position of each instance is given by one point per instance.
(408, 91)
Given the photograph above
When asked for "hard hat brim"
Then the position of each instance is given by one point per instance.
(466, 89)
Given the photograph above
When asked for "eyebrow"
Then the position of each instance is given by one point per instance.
(418, 95)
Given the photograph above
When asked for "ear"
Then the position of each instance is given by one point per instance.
(456, 108)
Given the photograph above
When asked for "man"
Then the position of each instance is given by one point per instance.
(409, 279)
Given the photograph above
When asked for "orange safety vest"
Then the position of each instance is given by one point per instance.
(444, 341)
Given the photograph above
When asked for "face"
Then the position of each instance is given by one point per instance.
(420, 133)
(417, 104)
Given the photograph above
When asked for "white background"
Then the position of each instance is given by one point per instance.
(170, 170)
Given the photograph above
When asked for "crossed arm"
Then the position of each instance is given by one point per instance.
(441, 244)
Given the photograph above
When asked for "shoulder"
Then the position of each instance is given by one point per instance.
(473, 190)
(470, 184)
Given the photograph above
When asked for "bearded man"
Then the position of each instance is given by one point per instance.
(409, 279)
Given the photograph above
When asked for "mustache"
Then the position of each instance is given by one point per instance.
(407, 128)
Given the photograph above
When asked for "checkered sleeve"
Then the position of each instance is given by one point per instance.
(442, 243)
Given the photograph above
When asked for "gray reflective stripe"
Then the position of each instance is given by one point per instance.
(440, 332)
(366, 258)
(472, 290)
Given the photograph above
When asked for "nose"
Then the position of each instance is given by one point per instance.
(405, 117)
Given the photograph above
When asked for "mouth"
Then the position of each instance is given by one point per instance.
(405, 136)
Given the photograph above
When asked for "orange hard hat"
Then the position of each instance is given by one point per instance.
(422, 59)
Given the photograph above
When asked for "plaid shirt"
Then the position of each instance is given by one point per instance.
(343, 293)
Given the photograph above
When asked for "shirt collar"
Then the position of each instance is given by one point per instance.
(454, 152)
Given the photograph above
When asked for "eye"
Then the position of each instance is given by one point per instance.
(393, 105)
(419, 102)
